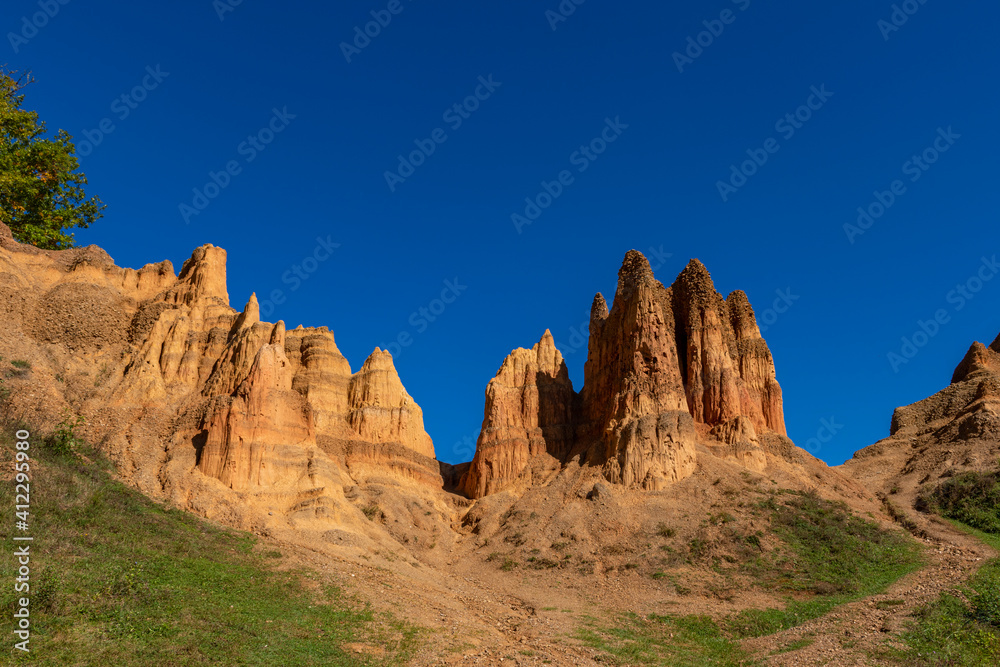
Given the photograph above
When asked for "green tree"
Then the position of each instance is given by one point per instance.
(41, 187)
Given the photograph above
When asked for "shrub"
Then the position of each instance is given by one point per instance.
(972, 498)
(64, 441)
(986, 606)
(542, 563)
(517, 539)
(373, 512)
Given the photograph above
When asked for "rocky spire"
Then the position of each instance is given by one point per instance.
(529, 413)
(382, 411)
(659, 361)
(202, 277)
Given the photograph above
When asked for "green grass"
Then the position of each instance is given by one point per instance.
(829, 557)
(972, 498)
(961, 631)
(117, 579)
(793, 646)
(951, 631)
(664, 640)
(835, 557)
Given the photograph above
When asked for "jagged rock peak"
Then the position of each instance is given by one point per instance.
(381, 410)
(203, 276)
(977, 360)
(695, 281)
(548, 357)
(741, 316)
(598, 314)
(378, 360)
(249, 317)
(995, 345)
(599, 308)
(278, 334)
(662, 364)
(635, 271)
(544, 358)
(635, 266)
(528, 416)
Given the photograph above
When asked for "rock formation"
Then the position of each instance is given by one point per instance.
(956, 429)
(245, 430)
(194, 400)
(636, 414)
(382, 411)
(253, 424)
(387, 426)
(529, 412)
(661, 361)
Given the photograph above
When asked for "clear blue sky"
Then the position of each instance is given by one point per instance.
(656, 186)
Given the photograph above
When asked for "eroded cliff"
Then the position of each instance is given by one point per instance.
(667, 368)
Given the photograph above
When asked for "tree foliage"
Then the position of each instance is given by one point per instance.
(41, 187)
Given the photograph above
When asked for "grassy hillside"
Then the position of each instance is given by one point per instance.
(962, 628)
(117, 579)
(826, 557)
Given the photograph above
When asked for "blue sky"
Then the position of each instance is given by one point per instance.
(308, 129)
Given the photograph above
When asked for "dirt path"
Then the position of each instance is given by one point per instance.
(473, 620)
(852, 634)
(471, 623)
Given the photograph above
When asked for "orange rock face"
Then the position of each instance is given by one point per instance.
(245, 429)
(192, 393)
(529, 412)
(979, 360)
(189, 392)
(637, 421)
(382, 411)
(660, 362)
(954, 430)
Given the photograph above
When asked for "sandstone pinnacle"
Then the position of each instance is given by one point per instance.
(660, 361)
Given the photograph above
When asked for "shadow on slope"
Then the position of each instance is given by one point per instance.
(118, 579)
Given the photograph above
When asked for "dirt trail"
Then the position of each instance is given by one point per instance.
(472, 623)
(851, 635)
(478, 619)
